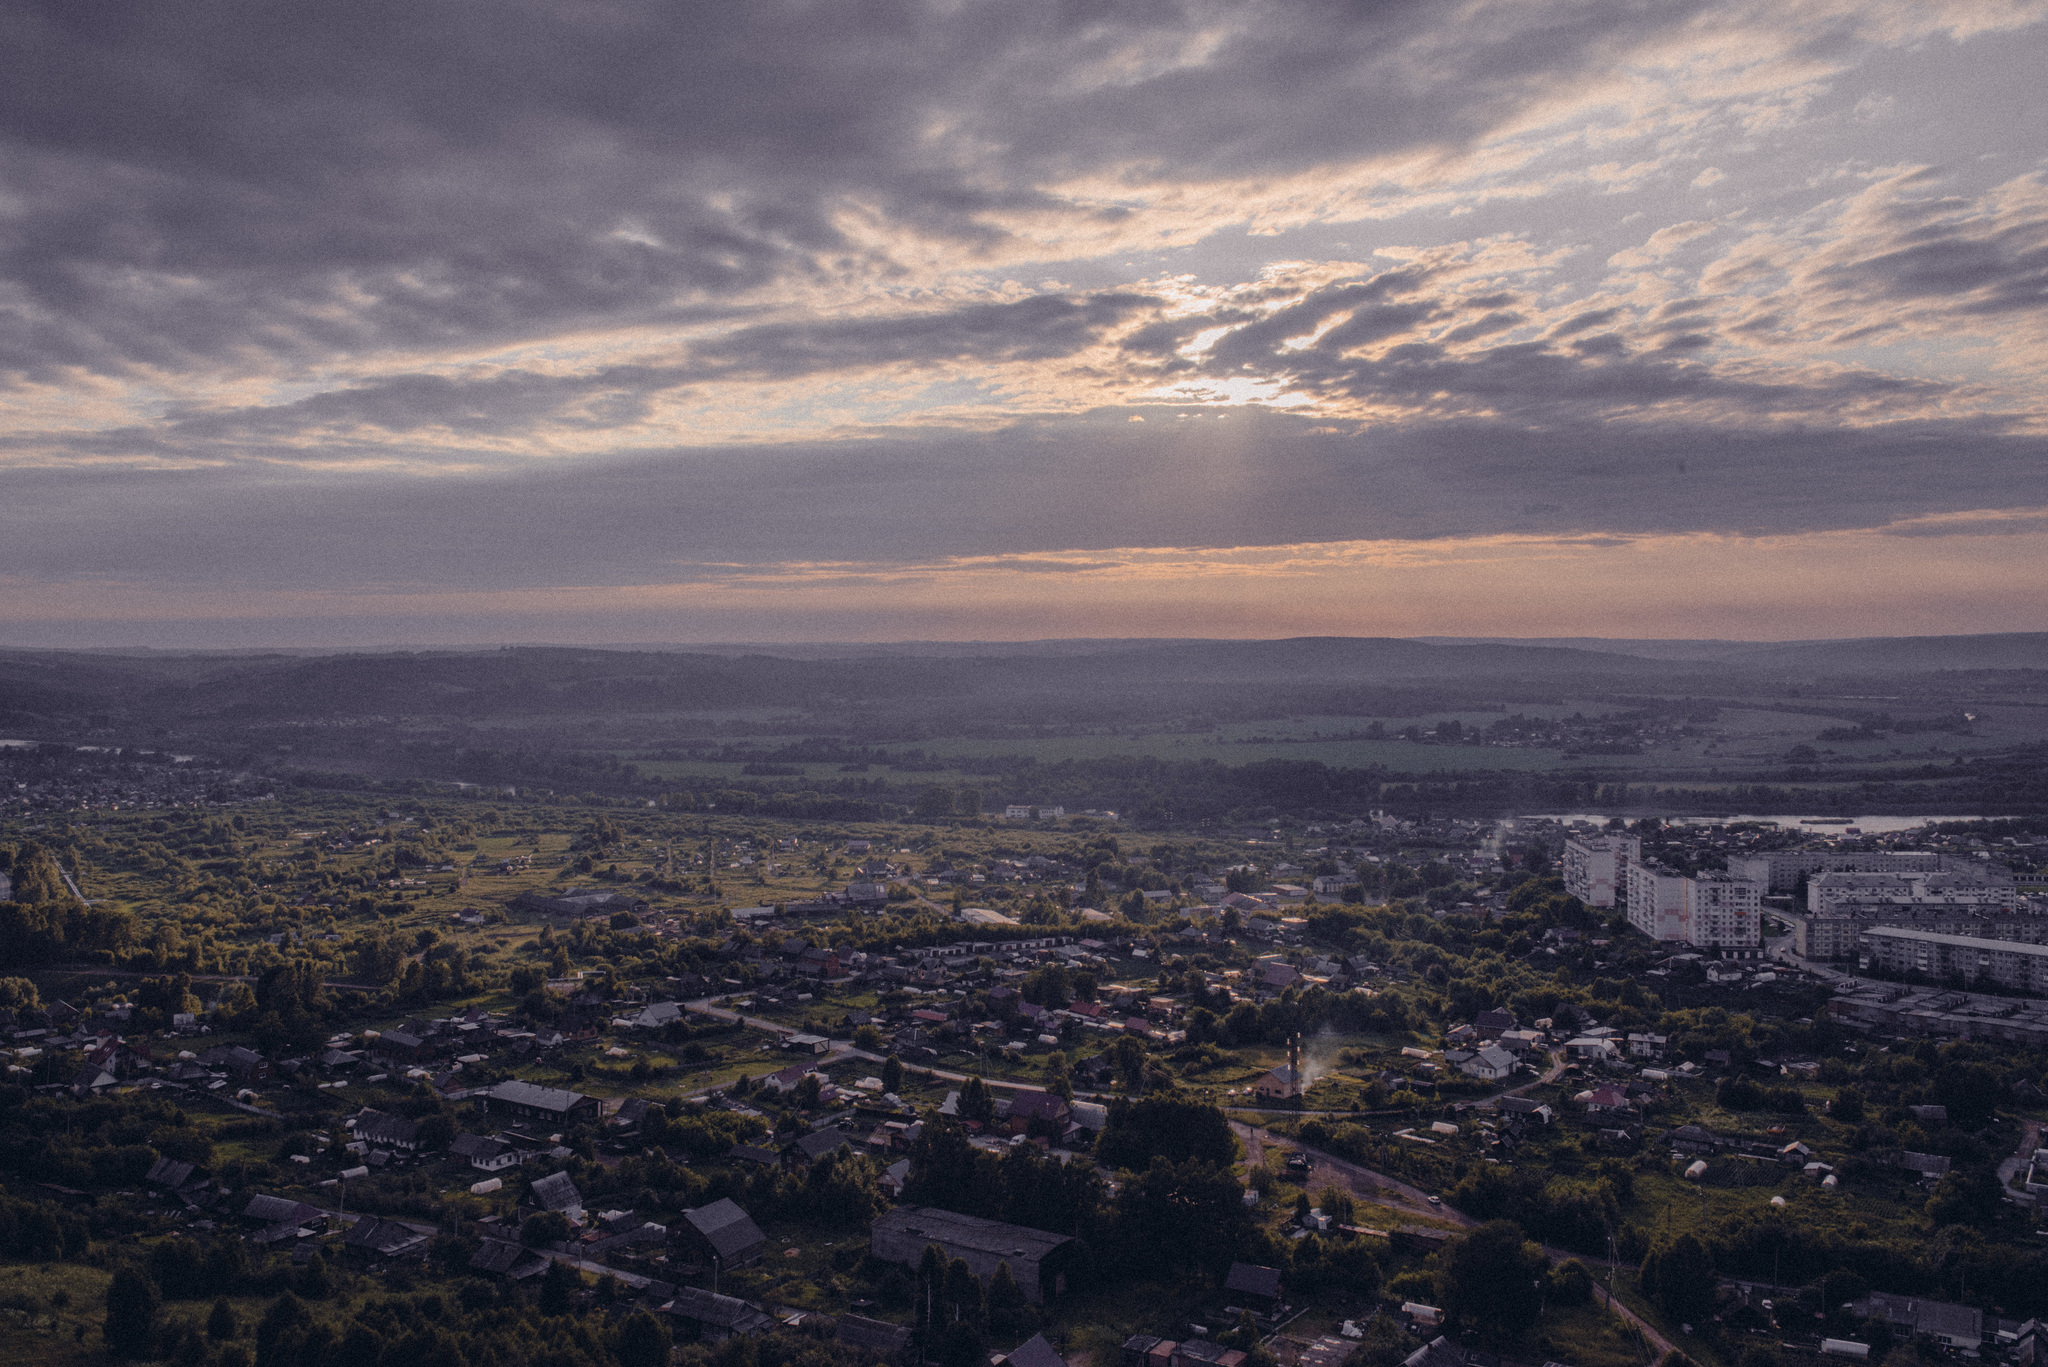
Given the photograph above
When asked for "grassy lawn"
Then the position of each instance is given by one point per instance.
(37, 1332)
(807, 1268)
(1587, 1336)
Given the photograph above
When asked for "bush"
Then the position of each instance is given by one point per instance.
(1571, 1283)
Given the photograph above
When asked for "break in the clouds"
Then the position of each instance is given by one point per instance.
(586, 320)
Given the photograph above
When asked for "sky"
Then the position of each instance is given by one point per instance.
(417, 323)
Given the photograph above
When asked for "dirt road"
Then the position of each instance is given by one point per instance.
(1392, 1192)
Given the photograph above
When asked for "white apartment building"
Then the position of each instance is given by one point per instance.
(1727, 911)
(1898, 950)
(1706, 911)
(1832, 894)
(1780, 870)
(1596, 866)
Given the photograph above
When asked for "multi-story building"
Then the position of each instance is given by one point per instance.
(1830, 894)
(1657, 902)
(1835, 936)
(1894, 949)
(1726, 911)
(1596, 866)
(1707, 910)
(1781, 870)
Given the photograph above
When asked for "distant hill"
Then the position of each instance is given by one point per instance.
(919, 688)
(1869, 654)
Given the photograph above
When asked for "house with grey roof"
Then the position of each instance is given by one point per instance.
(484, 1152)
(724, 1231)
(502, 1258)
(526, 1101)
(1033, 1352)
(556, 1192)
(372, 1238)
(889, 1342)
(1955, 1326)
(716, 1318)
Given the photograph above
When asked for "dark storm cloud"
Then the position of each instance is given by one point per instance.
(190, 184)
(1252, 478)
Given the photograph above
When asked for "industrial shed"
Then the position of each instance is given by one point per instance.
(1040, 1262)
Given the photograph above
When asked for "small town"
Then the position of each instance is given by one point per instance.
(1017, 683)
(1027, 1085)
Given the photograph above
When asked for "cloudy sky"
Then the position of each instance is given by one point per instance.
(420, 322)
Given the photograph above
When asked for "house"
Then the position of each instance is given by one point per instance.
(1695, 1139)
(502, 1258)
(527, 1102)
(372, 1238)
(1647, 1046)
(282, 1220)
(402, 1046)
(1257, 1287)
(169, 1173)
(385, 1131)
(1534, 1112)
(1603, 1099)
(724, 1232)
(1046, 1112)
(655, 1015)
(485, 1153)
(1033, 1352)
(879, 1338)
(1521, 1042)
(1928, 1165)
(808, 1149)
(1959, 1327)
(784, 1081)
(1280, 1084)
(1278, 977)
(1490, 1064)
(630, 1116)
(244, 1065)
(1038, 1260)
(92, 1081)
(714, 1318)
(556, 1192)
(1495, 1023)
(805, 1044)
